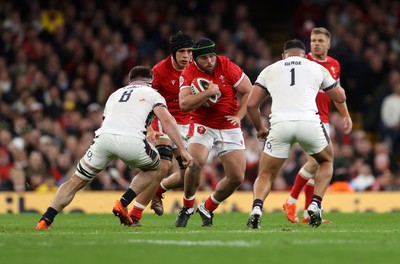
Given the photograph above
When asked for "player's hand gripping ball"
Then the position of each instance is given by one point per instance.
(200, 85)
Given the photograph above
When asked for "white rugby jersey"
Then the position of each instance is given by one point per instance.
(293, 84)
(129, 110)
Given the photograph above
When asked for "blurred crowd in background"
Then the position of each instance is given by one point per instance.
(60, 60)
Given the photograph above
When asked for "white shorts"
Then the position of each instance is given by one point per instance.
(183, 129)
(311, 136)
(223, 140)
(135, 152)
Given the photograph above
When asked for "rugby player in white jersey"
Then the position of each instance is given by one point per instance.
(293, 84)
(127, 113)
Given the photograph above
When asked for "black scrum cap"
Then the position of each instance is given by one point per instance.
(179, 41)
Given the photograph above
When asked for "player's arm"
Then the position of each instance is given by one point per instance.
(347, 122)
(332, 87)
(344, 112)
(256, 96)
(189, 101)
(170, 127)
(336, 92)
(244, 89)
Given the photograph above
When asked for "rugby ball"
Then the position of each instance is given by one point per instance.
(200, 85)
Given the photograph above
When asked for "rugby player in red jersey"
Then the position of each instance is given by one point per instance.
(320, 44)
(218, 126)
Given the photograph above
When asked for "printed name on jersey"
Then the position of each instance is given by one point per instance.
(289, 63)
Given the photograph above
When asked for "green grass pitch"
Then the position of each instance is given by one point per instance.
(98, 238)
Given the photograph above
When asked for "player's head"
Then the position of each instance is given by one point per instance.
(320, 42)
(205, 49)
(322, 31)
(293, 47)
(180, 41)
(141, 73)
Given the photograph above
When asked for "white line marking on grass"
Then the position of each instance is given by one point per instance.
(328, 241)
(207, 243)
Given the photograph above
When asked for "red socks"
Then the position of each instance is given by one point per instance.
(308, 191)
(188, 203)
(136, 213)
(298, 186)
(160, 191)
(210, 205)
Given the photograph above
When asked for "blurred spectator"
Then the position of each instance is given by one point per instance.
(48, 185)
(385, 182)
(340, 181)
(51, 19)
(5, 164)
(36, 165)
(364, 180)
(390, 114)
(16, 181)
(105, 88)
(58, 65)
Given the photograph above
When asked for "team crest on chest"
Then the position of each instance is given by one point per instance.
(173, 82)
(333, 72)
(222, 78)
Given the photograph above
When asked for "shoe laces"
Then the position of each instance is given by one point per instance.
(184, 210)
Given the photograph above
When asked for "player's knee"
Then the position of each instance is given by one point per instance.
(163, 170)
(84, 172)
(165, 166)
(311, 166)
(165, 152)
(236, 180)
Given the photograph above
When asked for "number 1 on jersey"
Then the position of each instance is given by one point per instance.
(292, 77)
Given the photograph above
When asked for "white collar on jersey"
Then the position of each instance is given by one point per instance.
(141, 82)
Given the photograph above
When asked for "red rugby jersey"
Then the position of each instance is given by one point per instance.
(227, 75)
(323, 100)
(166, 82)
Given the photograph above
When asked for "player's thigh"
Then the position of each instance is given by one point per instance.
(199, 153)
(280, 139)
(234, 163)
(136, 152)
(269, 166)
(100, 153)
(312, 137)
(228, 140)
